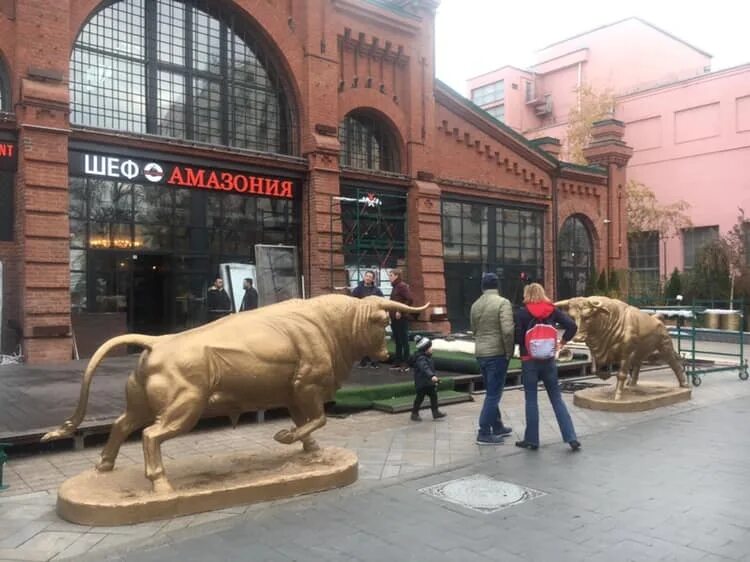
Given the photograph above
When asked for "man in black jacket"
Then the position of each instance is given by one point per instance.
(367, 288)
(250, 300)
(217, 300)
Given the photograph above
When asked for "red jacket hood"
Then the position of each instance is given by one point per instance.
(540, 310)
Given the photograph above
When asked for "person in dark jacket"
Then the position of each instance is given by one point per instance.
(250, 299)
(217, 300)
(367, 288)
(399, 323)
(425, 379)
(539, 309)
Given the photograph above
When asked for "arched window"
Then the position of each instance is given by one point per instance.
(576, 258)
(175, 69)
(368, 143)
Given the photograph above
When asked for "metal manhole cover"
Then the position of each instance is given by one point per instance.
(482, 493)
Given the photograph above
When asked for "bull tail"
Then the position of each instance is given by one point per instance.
(69, 426)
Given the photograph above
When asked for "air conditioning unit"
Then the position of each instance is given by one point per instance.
(544, 106)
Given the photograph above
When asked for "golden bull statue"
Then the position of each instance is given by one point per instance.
(616, 332)
(294, 354)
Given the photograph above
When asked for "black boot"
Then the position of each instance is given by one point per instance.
(437, 414)
(415, 416)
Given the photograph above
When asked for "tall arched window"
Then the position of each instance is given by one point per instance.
(368, 143)
(576, 258)
(179, 69)
(4, 88)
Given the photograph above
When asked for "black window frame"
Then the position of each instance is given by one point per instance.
(693, 239)
(368, 142)
(146, 68)
(576, 263)
(5, 89)
(643, 263)
(507, 233)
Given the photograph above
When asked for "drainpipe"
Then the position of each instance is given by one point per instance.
(555, 228)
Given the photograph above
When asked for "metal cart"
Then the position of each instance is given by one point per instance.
(706, 349)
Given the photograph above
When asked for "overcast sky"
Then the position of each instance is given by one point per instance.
(476, 36)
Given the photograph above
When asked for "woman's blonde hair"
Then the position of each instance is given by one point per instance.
(534, 292)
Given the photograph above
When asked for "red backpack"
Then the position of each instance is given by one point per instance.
(541, 340)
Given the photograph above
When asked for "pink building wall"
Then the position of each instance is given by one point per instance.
(691, 141)
(690, 129)
(630, 54)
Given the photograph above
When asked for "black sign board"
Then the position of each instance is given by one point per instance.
(155, 171)
(8, 156)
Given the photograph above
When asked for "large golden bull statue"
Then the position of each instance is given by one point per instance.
(294, 354)
(617, 332)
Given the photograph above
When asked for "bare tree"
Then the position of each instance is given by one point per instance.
(646, 214)
(592, 106)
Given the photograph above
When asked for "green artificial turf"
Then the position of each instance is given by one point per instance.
(363, 397)
(404, 403)
(454, 361)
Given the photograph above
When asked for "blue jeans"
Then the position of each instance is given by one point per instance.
(493, 370)
(546, 371)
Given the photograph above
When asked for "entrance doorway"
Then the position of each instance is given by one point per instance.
(575, 258)
(463, 285)
(150, 310)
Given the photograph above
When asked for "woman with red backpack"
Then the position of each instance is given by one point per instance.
(536, 336)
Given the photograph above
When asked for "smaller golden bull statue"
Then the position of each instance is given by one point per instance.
(616, 332)
(293, 354)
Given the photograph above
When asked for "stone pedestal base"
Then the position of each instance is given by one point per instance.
(124, 496)
(645, 396)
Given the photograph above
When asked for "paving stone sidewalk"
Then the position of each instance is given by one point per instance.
(667, 489)
(390, 448)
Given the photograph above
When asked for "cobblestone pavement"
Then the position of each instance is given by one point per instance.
(666, 489)
(676, 450)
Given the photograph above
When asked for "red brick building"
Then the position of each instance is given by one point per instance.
(148, 142)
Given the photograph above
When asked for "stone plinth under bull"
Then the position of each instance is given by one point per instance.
(644, 396)
(124, 496)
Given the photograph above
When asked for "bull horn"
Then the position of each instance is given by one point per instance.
(563, 304)
(598, 305)
(393, 306)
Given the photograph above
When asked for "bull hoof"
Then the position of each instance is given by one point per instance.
(105, 466)
(311, 446)
(685, 384)
(162, 486)
(285, 436)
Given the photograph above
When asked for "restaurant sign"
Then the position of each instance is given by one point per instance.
(178, 175)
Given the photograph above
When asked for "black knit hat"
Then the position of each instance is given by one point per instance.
(423, 343)
(489, 281)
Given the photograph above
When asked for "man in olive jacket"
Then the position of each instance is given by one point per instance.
(492, 324)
